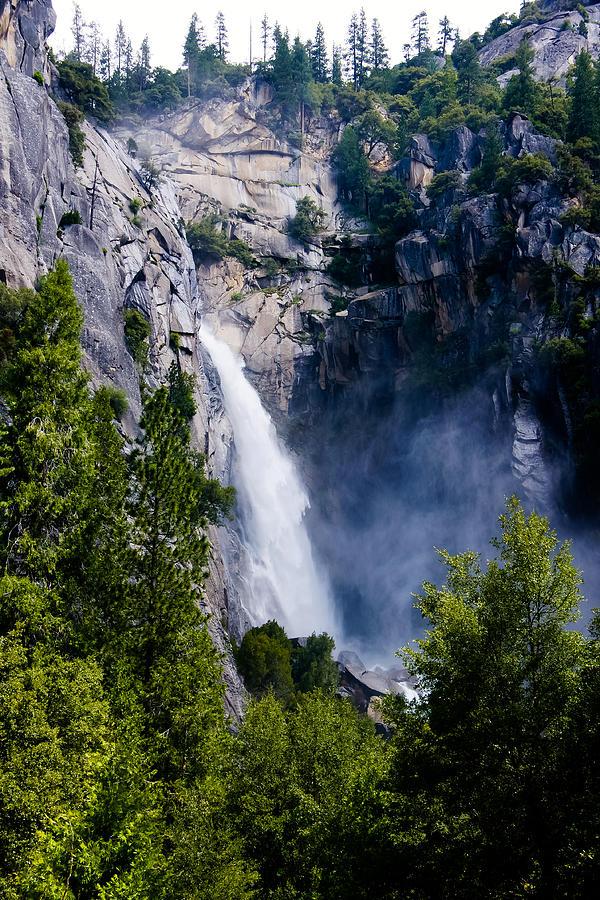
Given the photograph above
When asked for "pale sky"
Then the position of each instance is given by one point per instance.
(166, 23)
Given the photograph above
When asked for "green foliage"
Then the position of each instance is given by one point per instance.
(137, 332)
(269, 663)
(205, 239)
(527, 170)
(390, 208)
(352, 166)
(116, 398)
(86, 90)
(498, 670)
(264, 662)
(443, 182)
(181, 391)
(39, 78)
(308, 220)
(174, 341)
(74, 117)
(345, 268)
(135, 204)
(484, 177)
(522, 91)
(72, 217)
(132, 146)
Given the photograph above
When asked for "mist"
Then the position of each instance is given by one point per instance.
(392, 479)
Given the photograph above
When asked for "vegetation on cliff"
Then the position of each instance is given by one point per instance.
(119, 777)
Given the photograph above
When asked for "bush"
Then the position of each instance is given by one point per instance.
(346, 271)
(73, 118)
(528, 170)
(86, 90)
(39, 78)
(181, 391)
(132, 146)
(174, 341)
(135, 204)
(308, 220)
(137, 332)
(206, 239)
(72, 217)
(117, 399)
(445, 181)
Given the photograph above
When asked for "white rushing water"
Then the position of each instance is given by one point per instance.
(284, 582)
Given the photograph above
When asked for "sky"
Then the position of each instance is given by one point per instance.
(166, 25)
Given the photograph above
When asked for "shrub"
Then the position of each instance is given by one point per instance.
(135, 204)
(72, 217)
(174, 341)
(38, 223)
(236, 296)
(344, 270)
(73, 118)
(181, 391)
(308, 220)
(445, 181)
(137, 332)
(132, 147)
(117, 399)
(39, 78)
(240, 250)
(86, 90)
(136, 221)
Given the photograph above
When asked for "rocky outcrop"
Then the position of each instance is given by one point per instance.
(554, 43)
(25, 25)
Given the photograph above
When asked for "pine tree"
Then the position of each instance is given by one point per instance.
(362, 48)
(221, 41)
(470, 74)
(420, 32)
(78, 30)
(191, 52)
(106, 61)
(378, 50)
(283, 78)
(120, 48)
(352, 53)
(265, 30)
(144, 64)
(336, 65)
(583, 110)
(302, 76)
(445, 35)
(522, 91)
(319, 55)
(94, 46)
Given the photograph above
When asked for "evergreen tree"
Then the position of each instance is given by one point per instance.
(522, 92)
(378, 52)
(265, 30)
(352, 54)
(302, 77)
(468, 67)
(445, 35)
(283, 77)
(221, 36)
(120, 48)
(94, 46)
(583, 108)
(143, 67)
(78, 30)
(362, 48)
(420, 33)
(106, 62)
(336, 65)
(352, 166)
(319, 56)
(191, 52)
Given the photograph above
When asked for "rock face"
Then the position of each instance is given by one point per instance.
(226, 156)
(114, 265)
(24, 27)
(555, 45)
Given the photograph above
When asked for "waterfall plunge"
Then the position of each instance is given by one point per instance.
(284, 582)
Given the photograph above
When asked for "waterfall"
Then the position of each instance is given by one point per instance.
(284, 582)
